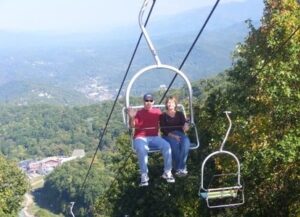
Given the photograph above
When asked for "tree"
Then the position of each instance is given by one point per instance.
(65, 185)
(13, 186)
(263, 93)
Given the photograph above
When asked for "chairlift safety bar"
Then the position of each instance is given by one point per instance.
(125, 119)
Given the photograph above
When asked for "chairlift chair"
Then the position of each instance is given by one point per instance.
(158, 66)
(223, 196)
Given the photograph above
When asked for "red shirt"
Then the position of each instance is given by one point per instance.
(147, 122)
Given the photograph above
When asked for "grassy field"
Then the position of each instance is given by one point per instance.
(37, 182)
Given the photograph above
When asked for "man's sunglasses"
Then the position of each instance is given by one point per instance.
(148, 100)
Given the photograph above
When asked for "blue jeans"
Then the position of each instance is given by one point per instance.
(180, 149)
(142, 146)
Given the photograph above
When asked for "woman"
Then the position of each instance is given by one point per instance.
(173, 126)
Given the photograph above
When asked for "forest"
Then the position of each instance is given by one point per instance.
(47, 130)
(261, 89)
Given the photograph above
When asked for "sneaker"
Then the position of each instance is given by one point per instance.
(144, 180)
(168, 177)
(178, 173)
(181, 173)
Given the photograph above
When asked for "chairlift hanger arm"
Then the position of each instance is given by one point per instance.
(228, 130)
(148, 40)
(71, 208)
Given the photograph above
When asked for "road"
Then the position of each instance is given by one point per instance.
(27, 202)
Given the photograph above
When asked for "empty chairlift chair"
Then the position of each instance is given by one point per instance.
(225, 189)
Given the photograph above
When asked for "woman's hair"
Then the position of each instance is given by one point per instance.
(171, 98)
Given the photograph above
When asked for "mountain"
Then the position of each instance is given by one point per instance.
(80, 69)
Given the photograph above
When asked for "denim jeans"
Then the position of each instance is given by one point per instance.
(142, 146)
(180, 150)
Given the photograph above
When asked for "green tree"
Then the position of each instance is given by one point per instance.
(65, 185)
(47, 130)
(263, 93)
(13, 186)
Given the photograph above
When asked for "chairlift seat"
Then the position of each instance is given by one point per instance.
(219, 193)
(223, 197)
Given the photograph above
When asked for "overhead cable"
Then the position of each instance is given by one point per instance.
(191, 48)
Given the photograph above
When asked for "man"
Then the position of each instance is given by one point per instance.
(146, 136)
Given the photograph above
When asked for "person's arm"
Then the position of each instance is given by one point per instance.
(162, 124)
(184, 122)
(186, 127)
(174, 136)
(131, 113)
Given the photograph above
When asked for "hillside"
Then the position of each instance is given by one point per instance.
(82, 69)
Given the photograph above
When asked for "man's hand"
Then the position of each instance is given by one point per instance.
(131, 112)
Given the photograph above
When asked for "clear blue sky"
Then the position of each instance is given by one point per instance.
(83, 15)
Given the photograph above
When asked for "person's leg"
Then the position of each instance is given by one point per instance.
(141, 147)
(164, 146)
(184, 148)
(175, 151)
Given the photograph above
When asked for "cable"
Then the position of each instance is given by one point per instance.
(191, 48)
(116, 99)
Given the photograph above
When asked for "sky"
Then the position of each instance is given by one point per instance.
(85, 16)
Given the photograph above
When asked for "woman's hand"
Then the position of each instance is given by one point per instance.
(186, 127)
(174, 136)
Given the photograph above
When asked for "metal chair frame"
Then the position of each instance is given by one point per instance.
(158, 65)
(210, 194)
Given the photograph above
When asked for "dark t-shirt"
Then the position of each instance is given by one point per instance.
(169, 124)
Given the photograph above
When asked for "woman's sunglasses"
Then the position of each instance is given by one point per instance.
(148, 100)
